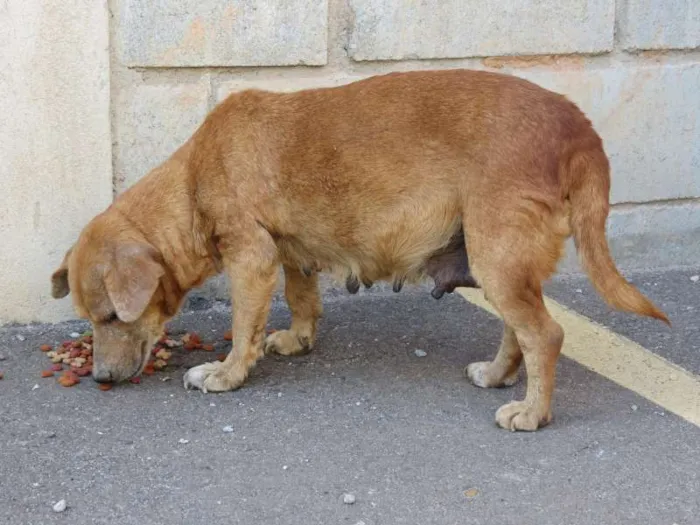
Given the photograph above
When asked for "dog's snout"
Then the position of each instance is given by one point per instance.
(102, 376)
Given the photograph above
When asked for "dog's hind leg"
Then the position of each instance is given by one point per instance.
(511, 260)
(503, 370)
(305, 304)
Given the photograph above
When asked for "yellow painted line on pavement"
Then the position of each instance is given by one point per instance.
(619, 360)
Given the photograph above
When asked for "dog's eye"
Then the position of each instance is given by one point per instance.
(111, 318)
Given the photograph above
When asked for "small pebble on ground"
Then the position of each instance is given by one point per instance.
(348, 499)
(60, 506)
(420, 353)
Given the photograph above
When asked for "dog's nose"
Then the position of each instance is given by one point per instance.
(102, 376)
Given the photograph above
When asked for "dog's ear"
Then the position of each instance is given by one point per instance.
(132, 278)
(59, 279)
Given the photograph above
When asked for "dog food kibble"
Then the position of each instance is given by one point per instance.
(105, 386)
(77, 356)
(228, 336)
(68, 379)
(163, 354)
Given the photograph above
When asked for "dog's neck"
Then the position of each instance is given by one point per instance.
(162, 207)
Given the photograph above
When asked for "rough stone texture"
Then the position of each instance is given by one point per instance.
(655, 24)
(284, 84)
(153, 121)
(387, 30)
(55, 144)
(648, 119)
(220, 33)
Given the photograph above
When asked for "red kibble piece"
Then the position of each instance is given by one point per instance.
(68, 379)
(57, 367)
(194, 338)
(82, 372)
(135, 380)
(76, 344)
(45, 348)
(190, 346)
(221, 357)
(228, 336)
(155, 351)
(105, 386)
(67, 344)
(208, 348)
(88, 340)
(148, 370)
(74, 353)
(46, 373)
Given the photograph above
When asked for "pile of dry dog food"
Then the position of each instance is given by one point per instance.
(73, 359)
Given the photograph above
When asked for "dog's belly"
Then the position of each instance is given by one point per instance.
(446, 265)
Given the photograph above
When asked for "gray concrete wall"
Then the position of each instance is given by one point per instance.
(632, 65)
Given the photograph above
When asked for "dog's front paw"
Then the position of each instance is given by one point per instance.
(287, 342)
(212, 377)
(519, 415)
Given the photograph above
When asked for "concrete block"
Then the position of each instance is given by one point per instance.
(648, 117)
(655, 24)
(152, 122)
(284, 84)
(180, 33)
(386, 30)
(55, 144)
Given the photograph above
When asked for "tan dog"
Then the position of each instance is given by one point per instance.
(378, 180)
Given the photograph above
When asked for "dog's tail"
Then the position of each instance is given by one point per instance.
(589, 193)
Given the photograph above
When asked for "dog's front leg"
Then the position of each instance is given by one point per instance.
(252, 285)
(304, 302)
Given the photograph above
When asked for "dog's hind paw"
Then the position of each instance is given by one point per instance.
(519, 415)
(485, 374)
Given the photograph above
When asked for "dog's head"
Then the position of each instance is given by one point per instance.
(118, 282)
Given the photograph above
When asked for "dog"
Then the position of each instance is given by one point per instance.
(392, 178)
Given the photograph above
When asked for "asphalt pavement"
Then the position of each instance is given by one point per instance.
(364, 415)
